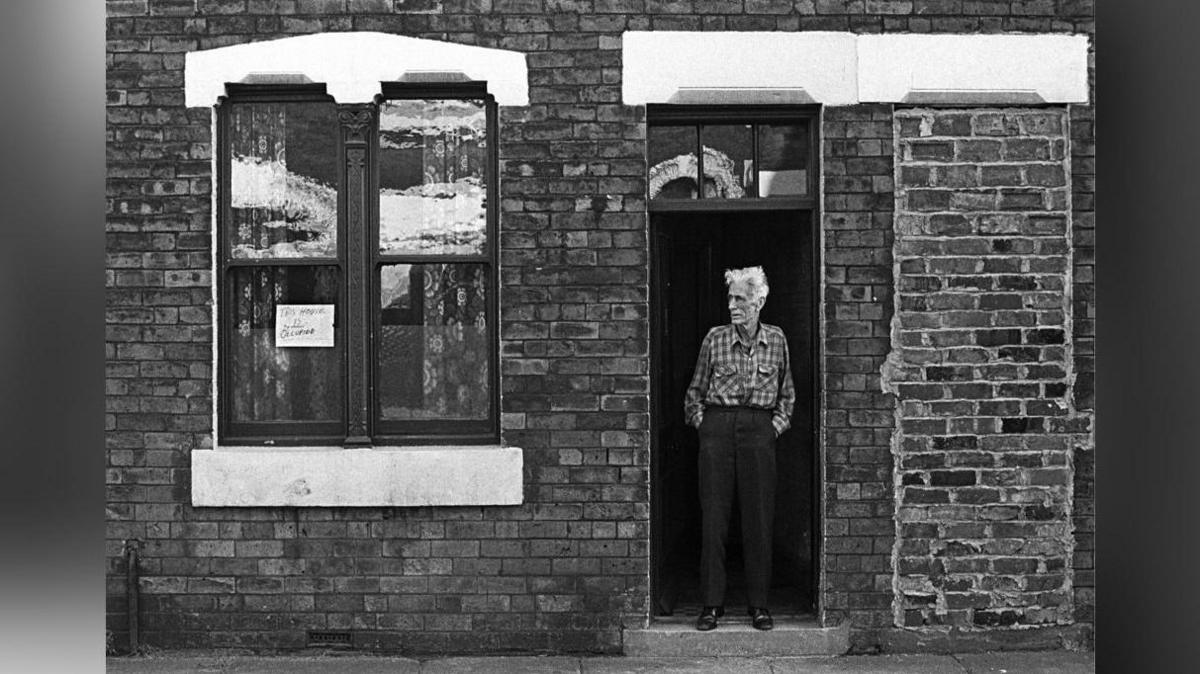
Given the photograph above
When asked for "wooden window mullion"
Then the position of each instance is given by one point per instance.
(356, 123)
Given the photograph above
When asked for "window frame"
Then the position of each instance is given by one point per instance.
(393, 432)
(353, 267)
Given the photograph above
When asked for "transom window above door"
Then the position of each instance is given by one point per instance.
(748, 154)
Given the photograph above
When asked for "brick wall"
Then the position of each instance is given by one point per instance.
(566, 570)
(983, 368)
(1083, 314)
(575, 343)
(859, 419)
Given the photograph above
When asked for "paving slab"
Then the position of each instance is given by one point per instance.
(246, 664)
(869, 664)
(514, 664)
(674, 665)
(1029, 662)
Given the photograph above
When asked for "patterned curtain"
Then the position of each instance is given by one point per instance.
(278, 384)
(456, 364)
(283, 180)
(258, 136)
(455, 369)
(453, 153)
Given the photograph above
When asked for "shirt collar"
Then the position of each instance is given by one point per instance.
(761, 338)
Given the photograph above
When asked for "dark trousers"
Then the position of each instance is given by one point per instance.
(737, 456)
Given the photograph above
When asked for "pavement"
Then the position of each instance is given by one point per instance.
(1006, 662)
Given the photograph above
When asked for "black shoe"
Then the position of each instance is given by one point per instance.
(761, 618)
(708, 618)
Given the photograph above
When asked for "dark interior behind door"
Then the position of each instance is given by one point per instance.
(691, 251)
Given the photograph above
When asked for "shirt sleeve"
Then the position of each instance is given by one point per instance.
(781, 416)
(693, 403)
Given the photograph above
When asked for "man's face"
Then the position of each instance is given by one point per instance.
(743, 311)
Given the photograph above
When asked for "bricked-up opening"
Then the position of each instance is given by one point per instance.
(982, 368)
(690, 252)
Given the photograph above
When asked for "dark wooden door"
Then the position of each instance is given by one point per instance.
(690, 253)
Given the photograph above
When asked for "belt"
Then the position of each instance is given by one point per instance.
(735, 408)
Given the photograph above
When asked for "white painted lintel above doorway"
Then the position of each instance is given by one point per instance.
(835, 68)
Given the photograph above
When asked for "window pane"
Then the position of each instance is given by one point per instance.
(434, 354)
(432, 177)
(728, 160)
(271, 382)
(283, 180)
(783, 160)
(671, 153)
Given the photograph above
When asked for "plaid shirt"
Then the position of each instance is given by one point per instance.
(731, 371)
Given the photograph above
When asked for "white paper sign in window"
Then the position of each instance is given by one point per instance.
(303, 325)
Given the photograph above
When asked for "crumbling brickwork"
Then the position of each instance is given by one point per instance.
(1083, 319)
(983, 368)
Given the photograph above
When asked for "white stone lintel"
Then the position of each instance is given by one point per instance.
(352, 65)
(658, 64)
(967, 68)
(333, 476)
(837, 68)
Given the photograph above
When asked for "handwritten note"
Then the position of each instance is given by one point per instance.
(303, 325)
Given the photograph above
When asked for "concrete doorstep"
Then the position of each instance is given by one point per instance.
(673, 638)
(1009, 662)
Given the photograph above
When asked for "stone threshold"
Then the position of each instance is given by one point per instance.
(676, 636)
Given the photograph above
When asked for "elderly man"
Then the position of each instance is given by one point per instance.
(740, 400)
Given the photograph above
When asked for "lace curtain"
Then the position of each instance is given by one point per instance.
(281, 384)
(283, 194)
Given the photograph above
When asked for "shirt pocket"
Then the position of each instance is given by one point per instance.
(767, 378)
(724, 380)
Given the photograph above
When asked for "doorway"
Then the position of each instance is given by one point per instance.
(690, 250)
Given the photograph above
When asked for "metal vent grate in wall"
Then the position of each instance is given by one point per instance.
(329, 638)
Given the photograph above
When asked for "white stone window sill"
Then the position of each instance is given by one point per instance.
(379, 476)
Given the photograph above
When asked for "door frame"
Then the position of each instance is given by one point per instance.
(662, 114)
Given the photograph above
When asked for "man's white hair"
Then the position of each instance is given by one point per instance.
(752, 277)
